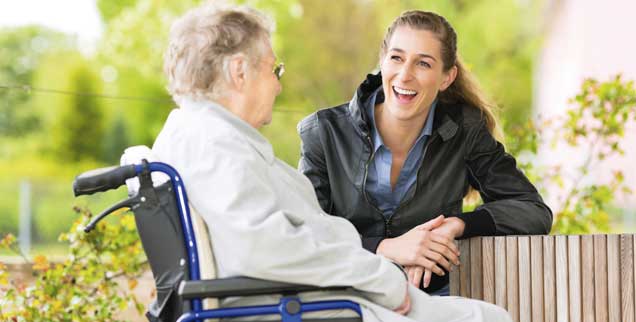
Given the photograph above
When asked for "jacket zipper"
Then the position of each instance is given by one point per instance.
(403, 204)
(364, 187)
(387, 222)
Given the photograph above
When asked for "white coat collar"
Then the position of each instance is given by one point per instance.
(253, 136)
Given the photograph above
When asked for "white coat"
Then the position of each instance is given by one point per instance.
(265, 221)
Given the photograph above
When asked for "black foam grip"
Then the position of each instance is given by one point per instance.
(102, 179)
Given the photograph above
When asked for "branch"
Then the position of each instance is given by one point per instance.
(575, 186)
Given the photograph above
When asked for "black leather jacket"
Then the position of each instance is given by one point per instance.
(337, 149)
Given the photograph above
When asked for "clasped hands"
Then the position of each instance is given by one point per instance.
(425, 249)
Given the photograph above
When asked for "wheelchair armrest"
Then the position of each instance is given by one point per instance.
(244, 286)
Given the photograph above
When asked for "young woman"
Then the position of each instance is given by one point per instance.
(416, 138)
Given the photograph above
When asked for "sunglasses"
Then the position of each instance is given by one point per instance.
(279, 70)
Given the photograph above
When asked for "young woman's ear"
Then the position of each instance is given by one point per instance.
(237, 71)
(449, 78)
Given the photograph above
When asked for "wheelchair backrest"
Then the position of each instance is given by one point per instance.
(162, 239)
(159, 226)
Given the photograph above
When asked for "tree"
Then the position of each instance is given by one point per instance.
(79, 131)
(21, 52)
(115, 141)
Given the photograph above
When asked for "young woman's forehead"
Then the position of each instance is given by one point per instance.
(415, 42)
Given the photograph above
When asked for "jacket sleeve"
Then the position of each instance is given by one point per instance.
(253, 235)
(509, 198)
(312, 161)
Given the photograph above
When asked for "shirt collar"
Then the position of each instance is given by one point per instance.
(427, 130)
(254, 137)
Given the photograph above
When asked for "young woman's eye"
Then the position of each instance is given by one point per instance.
(396, 58)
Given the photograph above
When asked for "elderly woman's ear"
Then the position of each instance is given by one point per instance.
(237, 71)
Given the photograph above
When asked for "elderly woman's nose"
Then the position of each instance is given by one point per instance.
(279, 87)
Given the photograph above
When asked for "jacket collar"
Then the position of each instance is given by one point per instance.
(445, 120)
(253, 136)
(361, 121)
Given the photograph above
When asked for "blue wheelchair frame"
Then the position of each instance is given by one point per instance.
(290, 308)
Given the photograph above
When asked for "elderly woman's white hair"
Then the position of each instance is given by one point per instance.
(202, 43)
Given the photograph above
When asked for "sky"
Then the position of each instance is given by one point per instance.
(78, 17)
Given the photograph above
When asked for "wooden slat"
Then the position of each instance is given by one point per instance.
(600, 278)
(561, 252)
(574, 277)
(627, 278)
(536, 268)
(488, 257)
(587, 278)
(552, 278)
(525, 293)
(464, 269)
(549, 292)
(501, 296)
(476, 277)
(454, 278)
(613, 278)
(512, 277)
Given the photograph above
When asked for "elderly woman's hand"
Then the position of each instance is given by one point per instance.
(421, 246)
(405, 307)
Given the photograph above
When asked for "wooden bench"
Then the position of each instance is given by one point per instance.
(551, 278)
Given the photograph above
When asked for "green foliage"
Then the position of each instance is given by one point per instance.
(136, 37)
(21, 51)
(143, 119)
(325, 69)
(111, 9)
(8, 208)
(78, 131)
(133, 45)
(595, 126)
(115, 141)
(84, 286)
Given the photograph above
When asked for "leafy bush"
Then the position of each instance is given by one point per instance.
(594, 127)
(82, 287)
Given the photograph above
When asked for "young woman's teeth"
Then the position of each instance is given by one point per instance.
(403, 91)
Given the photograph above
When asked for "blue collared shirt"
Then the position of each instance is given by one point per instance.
(378, 185)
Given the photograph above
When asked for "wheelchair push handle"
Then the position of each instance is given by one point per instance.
(102, 179)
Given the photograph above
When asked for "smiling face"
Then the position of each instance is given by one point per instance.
(413, 73)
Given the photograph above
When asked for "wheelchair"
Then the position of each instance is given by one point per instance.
(174, 239)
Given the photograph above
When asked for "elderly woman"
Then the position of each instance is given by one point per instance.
(263, 216)
(415, 139)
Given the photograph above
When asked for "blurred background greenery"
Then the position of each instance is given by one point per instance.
(53, 127)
